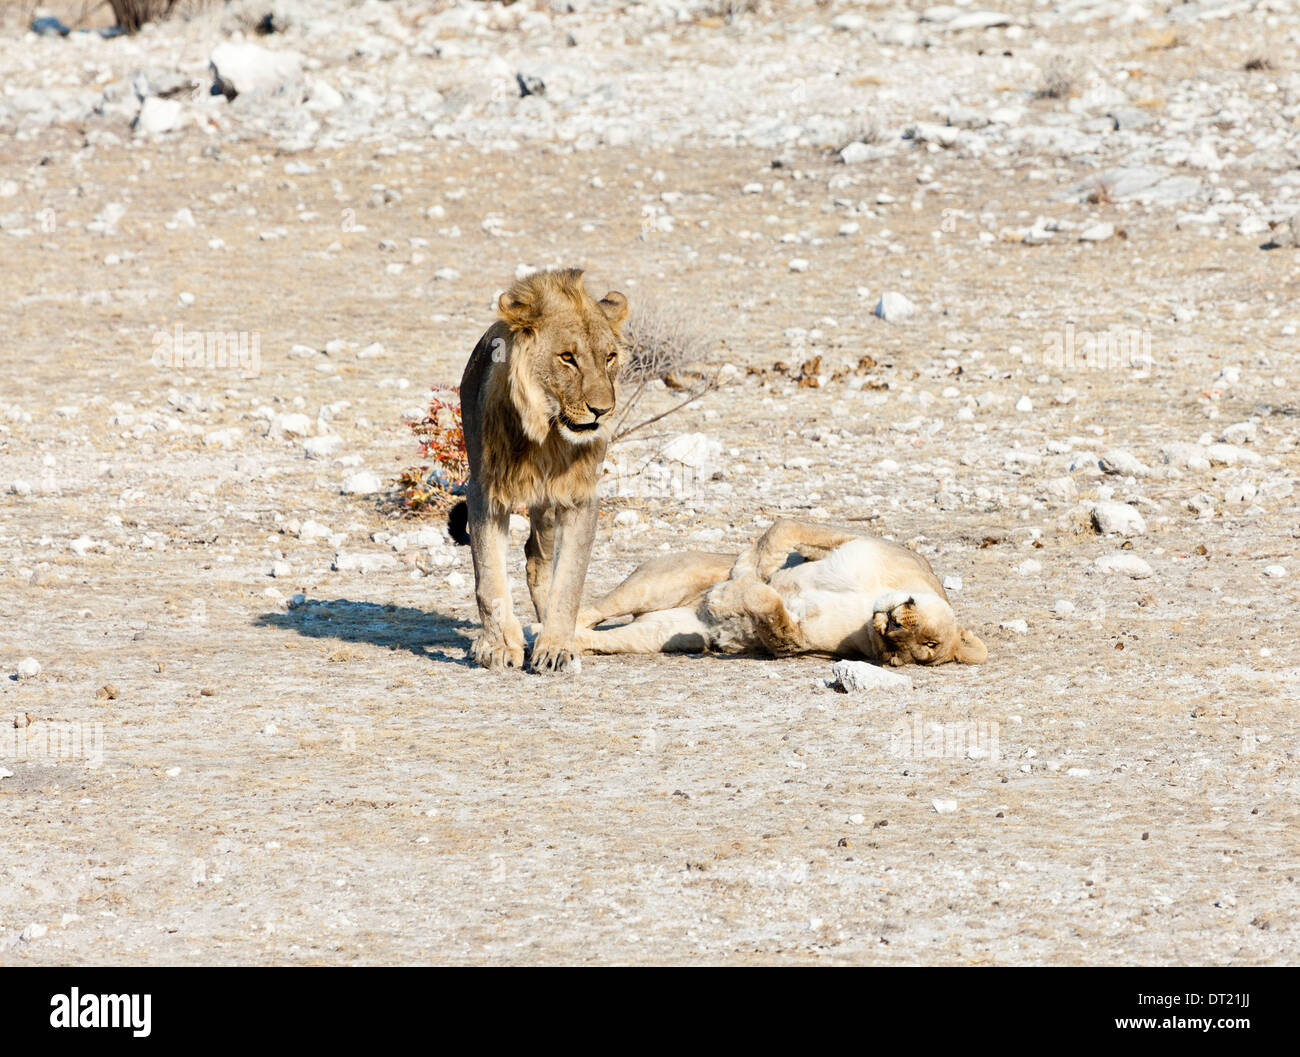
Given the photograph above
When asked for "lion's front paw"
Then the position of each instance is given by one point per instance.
(495, 654)
(550, 655)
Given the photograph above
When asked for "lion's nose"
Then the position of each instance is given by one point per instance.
(598, 412)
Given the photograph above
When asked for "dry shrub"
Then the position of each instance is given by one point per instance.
(664, 343)
(1060, 79)
(428, 489)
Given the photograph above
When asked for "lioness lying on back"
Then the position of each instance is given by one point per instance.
(802, 588)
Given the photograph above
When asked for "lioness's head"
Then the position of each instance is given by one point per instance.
(921, 628)
(565, 355)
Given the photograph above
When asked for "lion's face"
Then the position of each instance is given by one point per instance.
(565, 358)
(922, 629)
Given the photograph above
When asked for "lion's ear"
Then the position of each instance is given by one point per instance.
(520, 310)
(614, 305)
(970, 650)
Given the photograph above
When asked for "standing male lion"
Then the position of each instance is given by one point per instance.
(537, 402)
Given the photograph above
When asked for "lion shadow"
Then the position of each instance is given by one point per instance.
(424, 633)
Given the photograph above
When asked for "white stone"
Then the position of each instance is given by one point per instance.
(1019, 626)
(29, 668)
(322, 447)
(292, 424)
(363, 563)
(893, 307)
(1097, 232)
(1117, 461)
(1124, 562)
(157, 116)
(855, 676)
(1061, 488)
(1118, 519)
(245, 68)
(313, 530)
(363, 483)
(626, 519)
(696, 450)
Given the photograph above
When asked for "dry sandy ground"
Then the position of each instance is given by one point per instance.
(333, 783)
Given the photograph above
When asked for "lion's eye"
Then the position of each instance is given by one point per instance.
(567, 357)
(931, 645)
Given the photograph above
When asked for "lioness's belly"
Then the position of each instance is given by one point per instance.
(832, 613)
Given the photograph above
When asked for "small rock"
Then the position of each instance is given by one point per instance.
(34, 931)
(313, 530)
(1275, 572)
(29, 668)
(363, 563)
(322, 447)
(1016, 627)
(893, 307)
(1118, 519)
(280, 570)
(1124, 562)
(157, 116)
(294, 424)
(363, 483)
(854, 676)
(1097, 232)
(1121, 462)
(944, 807)
(240, 68)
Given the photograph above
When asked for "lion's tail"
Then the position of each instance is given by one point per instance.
(458, 522)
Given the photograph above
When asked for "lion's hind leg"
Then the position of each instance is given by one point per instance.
(668, 582)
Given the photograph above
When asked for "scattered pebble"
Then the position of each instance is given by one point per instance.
(1124, 562)
(856, 676)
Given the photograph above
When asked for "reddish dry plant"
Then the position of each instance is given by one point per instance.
(442, 439)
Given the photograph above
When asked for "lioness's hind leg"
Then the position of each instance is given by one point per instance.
(677, 630)
(787, 536)
(666, 582)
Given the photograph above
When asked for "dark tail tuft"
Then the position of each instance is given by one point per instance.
(458, 522)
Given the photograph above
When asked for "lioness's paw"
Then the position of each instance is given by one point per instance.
(549, 657)
(495, 654)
